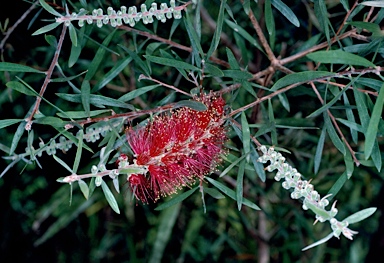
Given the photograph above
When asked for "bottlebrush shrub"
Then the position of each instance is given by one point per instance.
(243, 94)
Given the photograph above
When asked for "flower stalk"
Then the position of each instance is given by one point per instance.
(305, 190)
(125, 15)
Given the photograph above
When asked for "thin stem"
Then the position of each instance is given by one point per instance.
(47, 79)
(12, 28)
(164, 84)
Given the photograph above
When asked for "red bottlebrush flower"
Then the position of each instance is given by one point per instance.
(177, 148)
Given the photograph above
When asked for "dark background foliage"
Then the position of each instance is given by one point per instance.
(37, 223)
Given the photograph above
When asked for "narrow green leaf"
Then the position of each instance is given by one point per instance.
(97, 100)
(16, 138)
(9, 122)
(352, 125)
(246, 134)
(351, 118)
(51, 40)
(339, 57)
(337, 186)
(50, 120)
(231, 193)
(361, 215)
(213, 70)
(259, 168)
(239, 185)
(219, 26)
(332, 134)
(49, 8)
(377, 3)
(269, 20)
(136, 93)
(76, 163)
(45, 29)
(362, 108)
(13, 67)
(85, 96)
(84, 188)
(248, 87)
(110, 197)
(272, 121)
(319, 150)
(284, 101)
(164, 231)
(318, 210)
(376, 156)
(81, 114)
(372, 27)
(197, 50)
(300, 77)
(349, 164)
(76, 50)
(321, 241)
(110, 75)
(22, 88)
(226, 170)
(214, 193)
(146, 70)
(232, 59)
(237, 74)
(321, 13)
(177, 199)
(370, 136)
(63, 221)
(196, 105)
(73, 35)
(99, 57)
(242, 32)
(329, 104)
(172, 63)
(286, 11)
(62, 163)
(68, 79)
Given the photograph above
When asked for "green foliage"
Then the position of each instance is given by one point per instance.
(302, 76)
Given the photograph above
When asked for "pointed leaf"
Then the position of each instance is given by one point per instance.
(361, 215)
(332, 134)
(177, 199)
(45, 29)
(72, 34)
(339, 57)
(321, 241)
(172, 63)
(370, 136)
(110, 197)
(239, 185)
(217, 34)
(300, 77)
(13, 67)
(9, 122)
(85, 96)
(319, 150)
(286, 11)
(84, 188)
(231, 193)
(49, 8)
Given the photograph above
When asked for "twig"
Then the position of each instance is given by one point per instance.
(10, 30)
(47, 79)
(164, 84)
